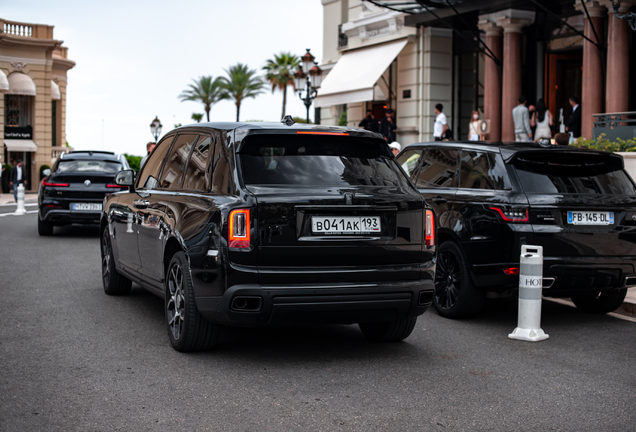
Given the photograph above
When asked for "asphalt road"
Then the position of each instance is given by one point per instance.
(75, 359)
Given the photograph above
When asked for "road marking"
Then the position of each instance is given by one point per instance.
(15, 204)
(13, 214)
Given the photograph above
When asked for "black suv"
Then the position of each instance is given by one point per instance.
(73, 190)
(490, 199)
(269, 224)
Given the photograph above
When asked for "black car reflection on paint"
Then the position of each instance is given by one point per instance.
(74, 189)
(272, 224)
(492, 198)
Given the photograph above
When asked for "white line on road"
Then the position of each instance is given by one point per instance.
(14, 204)
(13, 214)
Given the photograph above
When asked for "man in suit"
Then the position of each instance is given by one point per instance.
(574, 122)
(387, 126)
(521, 120)
(17, 178)
(369, 122)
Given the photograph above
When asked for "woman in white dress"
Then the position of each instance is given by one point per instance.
(544, 121)
(474, 134)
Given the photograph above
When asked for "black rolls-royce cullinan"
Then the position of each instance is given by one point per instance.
(253, 224)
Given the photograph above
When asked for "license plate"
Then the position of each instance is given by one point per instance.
(345, 224)
(590, 218)
(86, 206)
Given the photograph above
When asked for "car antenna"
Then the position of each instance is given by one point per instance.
(288, 120)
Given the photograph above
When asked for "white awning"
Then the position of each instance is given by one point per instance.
(55, 91)
(20, 145)
(352, 79)
(4, 83)
(21, 84)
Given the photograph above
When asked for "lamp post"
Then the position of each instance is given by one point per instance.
(155, 128)
(308, 75)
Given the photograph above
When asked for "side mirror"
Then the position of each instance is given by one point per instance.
(46, 172)
(125, 178)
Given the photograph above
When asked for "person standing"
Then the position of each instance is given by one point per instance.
(17, 178)
(574, 122)
(474, 133)
(387, 126)
(532, 112)
(543, 121)
(395, 148)
(562, 139)
(440, 127)
(521, 119)
(369, 122)
(149, 147)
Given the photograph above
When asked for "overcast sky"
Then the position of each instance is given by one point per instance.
(133, 59)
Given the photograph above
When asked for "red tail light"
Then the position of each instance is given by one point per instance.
(239, 229)
(47, 184)
(511, 270)
(322, 133)
(116, 186)
(430, 228)
(512, 215)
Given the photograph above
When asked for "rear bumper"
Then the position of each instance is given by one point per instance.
(65, 217)
(333, 304)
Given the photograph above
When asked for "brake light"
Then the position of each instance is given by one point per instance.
(512, 215)
(430, 228)
(322, 133)
(511, 270)
(115, 186)
(239, 229)
(47, 184)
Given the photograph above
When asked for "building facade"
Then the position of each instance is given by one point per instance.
(33, 79)
(479, 55)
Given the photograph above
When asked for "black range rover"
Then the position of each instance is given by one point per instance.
(490, 199)
(269, 224)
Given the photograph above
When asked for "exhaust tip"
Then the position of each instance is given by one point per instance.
(630, 281)
(424, 297)
(247, 303)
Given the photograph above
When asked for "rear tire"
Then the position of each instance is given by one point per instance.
(601, 302)
(187, 329)
(455, 295)
(114, 283)
(44, 228)
(391, 331)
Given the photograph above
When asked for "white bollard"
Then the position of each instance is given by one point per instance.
(20, 210)
(530, 288)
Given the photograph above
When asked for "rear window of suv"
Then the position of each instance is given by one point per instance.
(573, 174)
(318, 160)
(89, 166)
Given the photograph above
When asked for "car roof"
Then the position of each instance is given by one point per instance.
(506, 148)
(90, 154)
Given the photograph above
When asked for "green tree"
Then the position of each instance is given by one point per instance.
(206, 90)
(280, 73)
(241, 83)
(133, 161)
(197, 117)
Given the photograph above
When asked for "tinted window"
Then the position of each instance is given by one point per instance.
(197, 175)
(222, 167)
(149, 175)
(483, 170)
(573, 174)
(410, 159)
(89, 166)
(172, 173)
(438, 169)
(318, 160)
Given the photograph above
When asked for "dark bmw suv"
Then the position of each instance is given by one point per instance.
(490, 199)
(73, 190)
(270, 224)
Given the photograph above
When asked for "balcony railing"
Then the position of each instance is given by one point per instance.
(615, 125)
(20, 29)
(58, 151)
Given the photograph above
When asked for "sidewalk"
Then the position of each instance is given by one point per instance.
(29, 197)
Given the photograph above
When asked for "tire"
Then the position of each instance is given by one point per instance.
(114, 283)
(601, 302)
(187, 329)
(44, 228)
(391, 331)
(455, 295)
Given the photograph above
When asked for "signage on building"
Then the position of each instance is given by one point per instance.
(15, 132)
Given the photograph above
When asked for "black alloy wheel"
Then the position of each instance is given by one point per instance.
(187, 329)
(455, 295)
(391, 331)
(44, 228)
(600, 302)
(114, 283)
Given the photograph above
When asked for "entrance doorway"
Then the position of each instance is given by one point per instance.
(564, 79)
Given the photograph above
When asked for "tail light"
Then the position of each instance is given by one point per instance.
(116, 186)
(239, 229)
(47, 184)
(513, 214)
(430, 228)
(511, 270)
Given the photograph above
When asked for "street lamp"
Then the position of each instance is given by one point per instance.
(308, 75)
(155, 128)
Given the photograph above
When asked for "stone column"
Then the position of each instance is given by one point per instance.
(511, 72)
(616, 83)
(492, 80)
(592, 94)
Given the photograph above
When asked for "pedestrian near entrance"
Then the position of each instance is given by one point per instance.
(369, 122)
(17, 178)
(521, 119)
(573, 124)
(474, 133)
(149, 147)
(387, 126)
(544, 121)
(440, 127)
(562, 139)
(395, 147)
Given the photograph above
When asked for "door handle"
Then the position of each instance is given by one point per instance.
(142, 204)
(439, 200)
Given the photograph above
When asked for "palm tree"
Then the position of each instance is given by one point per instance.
(241, 83)
(206, 90)
(280, 73)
